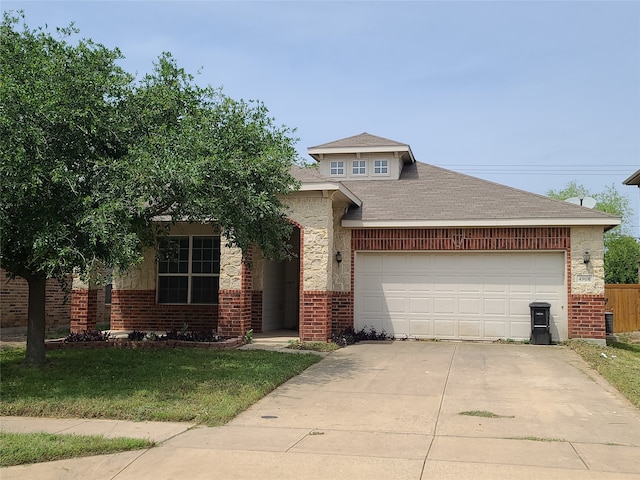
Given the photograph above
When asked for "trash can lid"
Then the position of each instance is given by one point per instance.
(539, 305)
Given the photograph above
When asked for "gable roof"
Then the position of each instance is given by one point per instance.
(363, 143)
(430, 196)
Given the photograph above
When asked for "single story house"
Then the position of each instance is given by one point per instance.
(382, 241)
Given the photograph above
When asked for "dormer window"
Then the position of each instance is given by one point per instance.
(381, 167)
(359, 167)
(337, 168)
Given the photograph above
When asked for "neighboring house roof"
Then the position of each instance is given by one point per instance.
(430, 196)
(634, 179)
(363, 143)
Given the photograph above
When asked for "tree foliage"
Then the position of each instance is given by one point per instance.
(621, 260)
(622, 251)
(89, 158)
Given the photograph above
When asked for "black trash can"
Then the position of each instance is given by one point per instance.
(608, 322)
(540, 323)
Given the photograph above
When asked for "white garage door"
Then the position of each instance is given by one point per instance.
(472, 296)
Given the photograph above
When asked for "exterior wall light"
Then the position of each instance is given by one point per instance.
(586, 257)
(339, 257)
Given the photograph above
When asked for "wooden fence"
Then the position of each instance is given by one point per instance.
(624, 302)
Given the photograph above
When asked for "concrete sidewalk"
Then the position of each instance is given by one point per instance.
(393, 411)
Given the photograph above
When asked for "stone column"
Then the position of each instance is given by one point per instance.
(234, 298)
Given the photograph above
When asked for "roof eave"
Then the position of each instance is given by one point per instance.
(607, 223)
(316, 152)
(331, 187)
(634, 179)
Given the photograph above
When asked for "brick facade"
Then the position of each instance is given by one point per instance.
(341, 311)
(256, 311)
(14, 300)
(315, 321)
(138, 310)
(325, 312)
(444, 239)
(84, 310)
(587, 317)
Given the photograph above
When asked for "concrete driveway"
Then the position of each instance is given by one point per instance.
(393, 411)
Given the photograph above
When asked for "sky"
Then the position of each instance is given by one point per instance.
(529, 94)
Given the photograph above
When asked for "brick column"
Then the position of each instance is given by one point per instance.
(234, 311)
(315, 316)
(84, 309)
(586, 317)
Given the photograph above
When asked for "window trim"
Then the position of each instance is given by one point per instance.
(378, 164)
(339, 166)
(190, 275)
(362, 165)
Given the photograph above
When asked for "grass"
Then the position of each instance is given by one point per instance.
(313, 346)
(537, 439)
(195, 385)
(484, 414)
(620, 367)
(24, 448)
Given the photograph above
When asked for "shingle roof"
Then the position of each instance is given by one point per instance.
(362, 140)
(429, 193)
(308, 175)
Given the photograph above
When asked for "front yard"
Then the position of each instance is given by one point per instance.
(181, 385)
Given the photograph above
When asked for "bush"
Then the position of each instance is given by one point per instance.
(87, 336)
(349, 336)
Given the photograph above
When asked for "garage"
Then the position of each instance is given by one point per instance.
(462, 295)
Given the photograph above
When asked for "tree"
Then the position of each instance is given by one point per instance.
(89, 158)
(622, 251)
(620, 266)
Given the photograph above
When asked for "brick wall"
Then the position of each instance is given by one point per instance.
(341, 311)
(14, 298)
(138, 310)
(316, 314)
(256, 311)
(587, 317)
(539, 238)
(233, 319)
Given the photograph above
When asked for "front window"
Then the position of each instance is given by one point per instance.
(381, 167)
(359, 167)
(337, 168)
(189, 270)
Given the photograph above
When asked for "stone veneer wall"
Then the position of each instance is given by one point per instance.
(313, 213)
(585, 302)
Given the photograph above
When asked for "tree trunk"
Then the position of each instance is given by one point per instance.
(35, 356)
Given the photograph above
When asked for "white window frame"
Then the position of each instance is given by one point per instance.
(336, 168)
(190, 275)
(359, 167)
(381, 167)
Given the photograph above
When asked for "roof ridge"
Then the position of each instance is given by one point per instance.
(363, 139)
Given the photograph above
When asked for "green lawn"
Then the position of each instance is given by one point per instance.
(23, 448)
(182, 384)
(620, 365)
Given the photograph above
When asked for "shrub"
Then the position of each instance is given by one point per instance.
(87, 336)
(349, 336)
